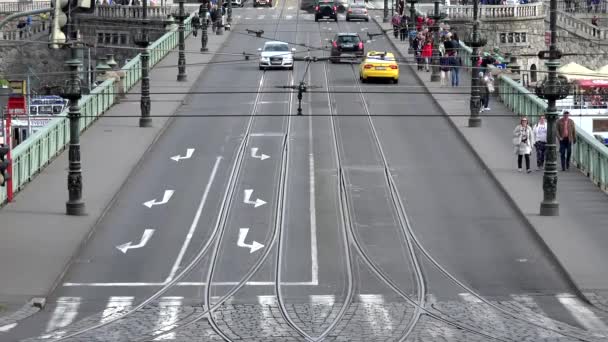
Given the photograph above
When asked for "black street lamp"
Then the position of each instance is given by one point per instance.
(552, 88)
(385, 19)
(75, 205)
(412, 24)
(145, 120)
(229, 14)
(220, 28)
(181, 60)
(202, 13)
(435, 60)
(475, 42)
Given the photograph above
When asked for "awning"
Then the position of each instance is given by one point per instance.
(573, 71)
(593, 83)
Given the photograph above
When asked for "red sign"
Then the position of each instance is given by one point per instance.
(16, 105)
(547, 38)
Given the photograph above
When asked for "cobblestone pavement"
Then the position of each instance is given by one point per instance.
(363, 320)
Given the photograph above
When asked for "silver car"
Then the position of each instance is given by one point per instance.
(276, 55)
(357, 10)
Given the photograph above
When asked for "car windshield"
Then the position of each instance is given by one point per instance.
(276, 47)
(357, 6)
(349, 39)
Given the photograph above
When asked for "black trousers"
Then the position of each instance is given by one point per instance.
(527, 161)
(565, 152)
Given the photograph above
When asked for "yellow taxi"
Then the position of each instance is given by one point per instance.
(379, 64)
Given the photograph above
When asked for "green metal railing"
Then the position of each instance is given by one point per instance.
(589, 155)
(36, 152)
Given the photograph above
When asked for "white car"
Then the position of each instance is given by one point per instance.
(276, 55)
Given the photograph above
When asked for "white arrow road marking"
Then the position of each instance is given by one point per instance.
(188, 155)
(257, 203)
(254, 246)
(166, 198)
(254, 154)
(144, 239)
(7, 327)
(64, 314)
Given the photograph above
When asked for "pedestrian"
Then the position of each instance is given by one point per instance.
(486, 87)
(566, 134)
(445, 67)
(396, 21)
(540, 141)
(456, 63)
(196, 24)
(427, 53)
(403, 28)
(523, 139)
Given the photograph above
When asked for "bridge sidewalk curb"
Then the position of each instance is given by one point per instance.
(25, 216)
(561, 260)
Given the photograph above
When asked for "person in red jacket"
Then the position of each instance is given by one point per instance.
(427, 53)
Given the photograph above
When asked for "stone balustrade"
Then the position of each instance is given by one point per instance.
(19, 6)
(497, 12)
(580, 27)
(131, 12)
(17, 34)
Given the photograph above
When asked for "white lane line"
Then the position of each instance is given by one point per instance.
(266, 303)
(169, 308)
(187, 283)
(64, 314)
(530, 303)
(7, 327)
(485, 314)
(581, 313)
(260, 17)
(288, 17)
(327, 300)
(194, 224)
(314, 254)
(379, 317)
(116, 305)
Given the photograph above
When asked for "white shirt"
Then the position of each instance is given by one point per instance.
(540, 132)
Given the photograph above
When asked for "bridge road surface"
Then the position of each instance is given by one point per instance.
(457, 213)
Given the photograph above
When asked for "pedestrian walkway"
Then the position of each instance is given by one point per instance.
(579, 236)
(38, 239)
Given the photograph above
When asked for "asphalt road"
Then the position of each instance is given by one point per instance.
(460, 217)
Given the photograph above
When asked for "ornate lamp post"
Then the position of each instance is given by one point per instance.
(435, 75)
(475, 41)
(145, 120)
(412, 23)
(552, 88)
(385, 19)
(220, 28)
(181, 59)
(75, 205)
(202, 13)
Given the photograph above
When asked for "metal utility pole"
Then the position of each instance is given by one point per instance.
(220, 17)
(229, 17)
(145, 120)
(181, 60)
(475, 42)
(552, 89)
(412, 23)
(386, 18)
(74, 205)
(202, 13)
(435, 72)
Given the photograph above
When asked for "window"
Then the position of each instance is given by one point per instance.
(503, 38)
(600, 125)
(100, 37)
(512, 38)
(124, 40)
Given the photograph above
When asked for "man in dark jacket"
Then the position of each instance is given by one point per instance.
(566, 134)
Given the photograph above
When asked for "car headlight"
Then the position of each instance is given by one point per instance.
(264, 59)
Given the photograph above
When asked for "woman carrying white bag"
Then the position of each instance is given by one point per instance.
(523, 140)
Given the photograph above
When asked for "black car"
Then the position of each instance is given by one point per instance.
(346, 44)
(326, 9)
